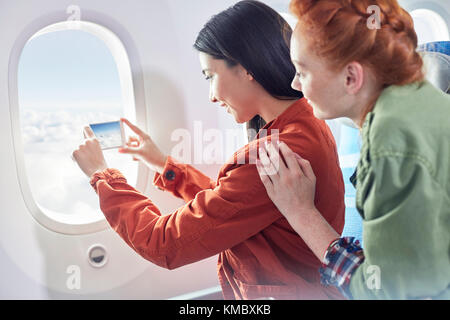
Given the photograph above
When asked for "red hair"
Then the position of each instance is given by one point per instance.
(338, 31)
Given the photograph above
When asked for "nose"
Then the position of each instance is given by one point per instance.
(296, 85)
(212, 98)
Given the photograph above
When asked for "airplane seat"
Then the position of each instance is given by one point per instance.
(436, 57)
(348, 142)
(349, 153)
(436, 46)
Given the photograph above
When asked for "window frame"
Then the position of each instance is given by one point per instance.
(432, 15)
(431, 5)
(126, 59)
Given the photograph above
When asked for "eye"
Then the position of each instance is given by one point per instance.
(208, 77)
(299, 74)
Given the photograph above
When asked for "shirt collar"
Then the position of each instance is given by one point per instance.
(289, 115)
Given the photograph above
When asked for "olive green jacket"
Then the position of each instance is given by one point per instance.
(403, 195)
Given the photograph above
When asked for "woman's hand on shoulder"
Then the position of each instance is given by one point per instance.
(290, 186)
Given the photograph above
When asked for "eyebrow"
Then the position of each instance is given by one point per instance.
(204, 71)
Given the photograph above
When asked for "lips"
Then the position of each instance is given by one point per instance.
(223, 104)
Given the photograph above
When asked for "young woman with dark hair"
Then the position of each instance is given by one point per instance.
(270, 66)
(375, 77)
(244, 55)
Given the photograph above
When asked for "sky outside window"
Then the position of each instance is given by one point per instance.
(66, 80)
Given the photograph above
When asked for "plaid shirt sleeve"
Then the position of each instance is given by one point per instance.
(342, 258)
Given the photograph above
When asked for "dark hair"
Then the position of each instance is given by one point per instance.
(255, 36)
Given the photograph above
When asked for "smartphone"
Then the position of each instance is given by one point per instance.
(109, 134)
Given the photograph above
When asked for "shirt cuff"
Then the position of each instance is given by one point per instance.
(341, 260)
(168, 179)
(110, 175)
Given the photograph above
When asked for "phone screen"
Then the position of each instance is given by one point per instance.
(109, 134)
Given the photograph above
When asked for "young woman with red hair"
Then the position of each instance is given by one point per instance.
(352, 64)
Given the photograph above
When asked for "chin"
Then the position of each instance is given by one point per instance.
(321, 115)
(318, 114)
(237, 118)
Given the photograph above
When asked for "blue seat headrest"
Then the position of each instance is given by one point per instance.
(438, 46)
(436, 58)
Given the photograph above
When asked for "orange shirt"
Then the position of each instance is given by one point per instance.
(260, 255)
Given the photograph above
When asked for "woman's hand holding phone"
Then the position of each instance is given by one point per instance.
(89, 155)
(142, 148)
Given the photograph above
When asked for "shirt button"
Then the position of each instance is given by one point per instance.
(170, 175)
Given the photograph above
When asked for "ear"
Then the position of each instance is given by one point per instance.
(249, 76)
(243, 72)
(354, 77)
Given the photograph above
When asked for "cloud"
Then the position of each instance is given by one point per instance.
(56, 182)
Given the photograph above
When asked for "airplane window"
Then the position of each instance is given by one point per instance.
(66, 80)
(429, 26)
